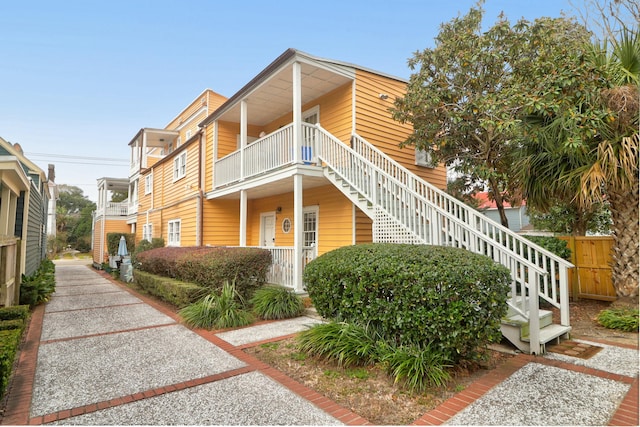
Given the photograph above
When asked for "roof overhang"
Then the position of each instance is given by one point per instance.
(156, 137)
(270, 94)
(114, 184)
(12, 175)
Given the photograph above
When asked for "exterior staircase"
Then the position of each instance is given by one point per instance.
(407, 209)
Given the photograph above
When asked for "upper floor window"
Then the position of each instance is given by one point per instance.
(423, 158)
(173, 231)
(148, 184)
(180, 166)
(187, 134)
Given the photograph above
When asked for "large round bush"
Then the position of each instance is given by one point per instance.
(415, 294)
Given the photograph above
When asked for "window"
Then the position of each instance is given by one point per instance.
(180, 166)
(147, 232)
(148, 184)
(174, 232)
(187, 134)
(423, 158)
(310, 231)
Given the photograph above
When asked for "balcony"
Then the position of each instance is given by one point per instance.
(114, 209)
(267, 154)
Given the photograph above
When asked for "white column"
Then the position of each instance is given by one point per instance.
(297, 112)
(243, 135)
(298, 229)
(243, 217)
(4, 212)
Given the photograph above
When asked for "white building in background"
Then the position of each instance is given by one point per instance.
(52, 225)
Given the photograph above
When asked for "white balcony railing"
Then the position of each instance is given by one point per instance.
(267, 154)
(114, 209)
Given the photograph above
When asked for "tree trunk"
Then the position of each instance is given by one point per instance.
(625, 251)
(497, 196)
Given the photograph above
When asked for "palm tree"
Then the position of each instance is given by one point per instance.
(614, 172)
(581, 144)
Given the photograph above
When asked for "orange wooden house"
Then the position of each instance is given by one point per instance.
(281, 161)
(306, 158)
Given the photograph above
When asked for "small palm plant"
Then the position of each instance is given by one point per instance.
(276, 302)
(217, 311)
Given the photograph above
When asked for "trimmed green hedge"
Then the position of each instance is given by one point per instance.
(170, 290)
(210, 267)
(9, 343)
(447, 297)
(13, 322)
(14, 312)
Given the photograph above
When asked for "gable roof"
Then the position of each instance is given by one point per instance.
(323, 73)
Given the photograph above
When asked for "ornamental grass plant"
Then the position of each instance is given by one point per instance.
(217, 311)
(276, 302)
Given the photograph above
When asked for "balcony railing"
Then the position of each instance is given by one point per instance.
(267, 154)
(114, 209)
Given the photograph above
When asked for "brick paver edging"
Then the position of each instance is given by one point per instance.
(626, 414)
(21, 385)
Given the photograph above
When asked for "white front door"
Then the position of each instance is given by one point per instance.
(268, 229)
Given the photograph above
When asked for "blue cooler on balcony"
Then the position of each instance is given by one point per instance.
(307, 154)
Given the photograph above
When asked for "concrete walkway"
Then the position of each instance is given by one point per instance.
(99, 354)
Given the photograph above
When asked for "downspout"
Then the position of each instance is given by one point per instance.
(199, 198)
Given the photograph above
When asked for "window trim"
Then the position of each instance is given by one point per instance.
(171, 232)
(148, 184)
(180, 166)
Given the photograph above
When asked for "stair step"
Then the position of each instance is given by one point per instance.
(551, 332)
(546, 319)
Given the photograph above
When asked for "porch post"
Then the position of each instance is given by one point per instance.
(298, 237)
(243, 217)
(5, 218)
(297, 112)
(243, 135)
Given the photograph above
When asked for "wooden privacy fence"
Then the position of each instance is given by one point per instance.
(591, 279)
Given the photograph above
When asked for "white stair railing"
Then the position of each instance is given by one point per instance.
(434, 217)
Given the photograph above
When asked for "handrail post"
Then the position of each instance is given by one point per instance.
(534, 316)
(564, 295)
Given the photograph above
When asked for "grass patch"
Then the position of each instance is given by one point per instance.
(217, 311)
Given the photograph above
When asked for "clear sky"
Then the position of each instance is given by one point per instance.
(79, 78)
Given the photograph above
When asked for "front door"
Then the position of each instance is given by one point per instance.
(268, 229)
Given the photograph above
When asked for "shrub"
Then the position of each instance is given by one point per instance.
(414, 294)
(9, 342)
(113, 240)
(276, 302)
(210, 267)
(217, 311)
(170, 290)
(553, 245)
(624, 319)
(38, 287)
(11, 324)
(14, 312)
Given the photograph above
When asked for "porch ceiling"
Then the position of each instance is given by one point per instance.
(279, 183)
(274, 97)
(160, 137)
